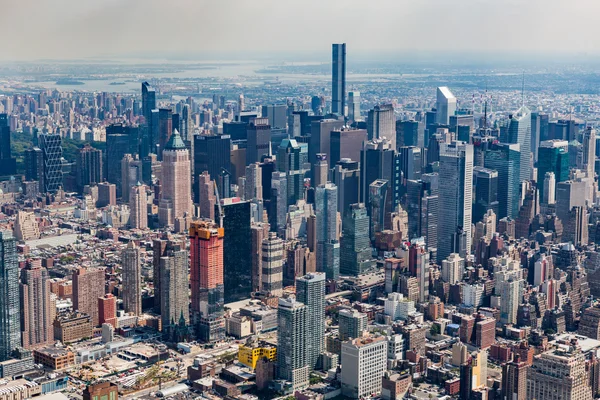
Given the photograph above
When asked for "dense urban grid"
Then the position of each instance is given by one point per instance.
(308, 231)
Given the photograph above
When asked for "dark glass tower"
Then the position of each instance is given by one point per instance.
(506, 159)
(89, 167)
(212, 153)
(259, 139)
(355, 246)
(8, 164)
(292, 159)
(34, 166)
(117, 145)
(10, 307)
(486, 192)
(338, 78)
(237, 263)
(552, 158)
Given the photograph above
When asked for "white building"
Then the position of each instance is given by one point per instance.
(452, 268)
(398, 307)
(364, 363)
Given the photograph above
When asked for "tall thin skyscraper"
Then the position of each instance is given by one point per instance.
(338, 78)
(237, 269)
(88, 286)
(291, 160)
(381, 123)
(253, 188)
(589, 151)
(519, 131)
(553, 157)
(89, 167)
(549, 189)
(272, 265)
(138, 205)
(35, 300)
(456, 173)
(34, 167)
(132, 279)
(10, 305)
(176, 193)
(328, 246)
(206, 278)
(51, 146)
(445, 105)
(161, 248)
(165, 129)
(259, 140)
(310, 290)
(292, 336)
(207, 198)
(354, 106)
(505, 158)
(175, 283)
(148, 101)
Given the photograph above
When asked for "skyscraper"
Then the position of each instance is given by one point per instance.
(253, 188)
(365, 361)
(88, 286)
(381, 123)
(328, 247)
(355, 246)
(206, 192)
(10, 305)
(320, 170)
(51, 146)
(486, 192)
(161, 248)
(310, 290)
(456, 171)
(237, 270)
(34, 167)
(138, 206)
(352, 324)
(132, 279)
(514, 379)
(165, 129)
(8, 164)
(506, 160)
(346, 143)
(292, 159)
(379, 161)
(354, 106)
(212, 153)
(553, 157)
(148, 101)
(338, 78)
(589, 151)
(206, 278)
(519, 131)
(117, 145)
(320, 137)
(549, 189)
(445, 105)
(346, 176)
(175, 283)
(36, 319)
(292, 336)
(176, 194)
(272, 265)
(259, 139)
(89, 167)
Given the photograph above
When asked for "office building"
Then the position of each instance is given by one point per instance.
(131, 260)
(452, 269)
(310, 290)
(292, 160)
(276, 115)
(253, 189)
(379, 206)
(378, 161)
(174, 288)
(237, 271)
(355, 244)
(486, 192)
(559, 373)
(148, 101)
(88, 287)
(352, 324)
(365, 362)
(37, 330)
(506, 160)
(549, 189)
(278, 203)
(320, 137)
(131, 174)
(411, 161)
(8, 164)
(338, 78)
(272, 265)
(259, 140)
(346, 176)
(206, 196)
(553, 157)
(51, 146)
(138, 206)
(176, 196)
(346, 143)
(292, 336)
(589, 152)
(445, 105)
(206, 278)
(456, 171)
(328, 247)
(165, 129)
(212, 153)
(117, 145)
(354, 106)
(381, 123)
(89, 167)
(320, 170)
(107, 194)
(161, 247)
(409, 133)
(34, 166)
(519, 131)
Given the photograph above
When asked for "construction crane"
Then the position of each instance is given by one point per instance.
(219, 205)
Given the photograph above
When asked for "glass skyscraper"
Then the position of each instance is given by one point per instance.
(328, 247)
(51, 145)
(506, 159)
(355, 246)
(310, 290)
(553, 157)
(519, 131)
(10, 307)
(338, 78)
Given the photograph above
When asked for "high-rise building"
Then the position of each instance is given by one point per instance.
(485, 181)
(456, 171)
(206, 278)
(148, 101)
(292, 336)
(88, 287)
(117, 145)
(176, 196)
(292, 159)
(34, 166)
(559, 373)
(338, 78)
(8, 164)
(354, 106)
(132, 279)
(174, 287)
(452, 269)
(253, 189)
(589, 152)
(161, 248)
(355, 244)
(320, 137)
(10, 305)
(36, 319)
(259, 140)
(212, 153)
(278, 204)
(260, 231)
(328, 246)
(445, 105)
(237, 271)
(276, 114)
(131, 174)
(549, 189)
(138, 206)
(381, 123)
(89, 167)
(352, 324)
(379, 206)
(379, 161)
(514, 379)
(107, 194)
(409, 133)
(320, 170)
(310, 290)
(519, 131)
(509, 291)
(346, 176)
(553, 157)
(346, 143)
(365, 362)
(272, 265)
(107, 310)
(206, 196)
(165, 129)
(505, 159)
(51, 146)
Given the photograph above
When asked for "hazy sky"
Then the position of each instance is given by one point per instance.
(59, 29)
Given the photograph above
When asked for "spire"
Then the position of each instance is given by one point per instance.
(175, 142)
